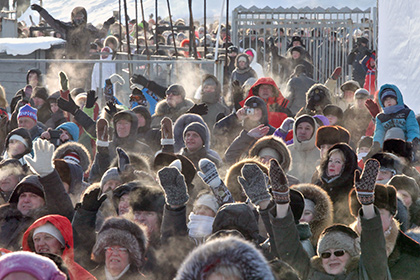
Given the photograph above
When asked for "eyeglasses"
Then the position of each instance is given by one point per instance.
(338, 253)
(120, 250)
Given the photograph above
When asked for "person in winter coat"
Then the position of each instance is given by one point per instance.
(339, 253)
(39, 99)
(346, 99)
(253, 62)
(369, 64)
(54, 234)
(68, 131)
(107, 69)
(402, 251)
(34, 197)
(173, 106)
(267, 90)
(255, 125)
(397, 120)
(355, 56)
(318, 211)
(334, 114)
(27, 118)
(243, 70)
(145, 133)
(318, 97)
(57, 115)
(74, 152)
(71, 174)
(297, 86)
(304, 153)
(18, 143)
(12, 173)
(225, 258)
(296, 56)
(34, 78)
(336, 178)
(120, 250)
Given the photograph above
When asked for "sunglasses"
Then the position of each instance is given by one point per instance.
(338, 253)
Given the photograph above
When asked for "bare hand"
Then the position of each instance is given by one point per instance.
(259, 131)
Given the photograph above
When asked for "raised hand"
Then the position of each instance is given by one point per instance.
(173, 183)
(253, 183)
(41, 163)
(279, 184)
(68, 106)
(91, 98)
(365, 183)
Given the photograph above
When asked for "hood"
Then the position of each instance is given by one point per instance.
(323, 216)
(23, 132)
(77, 148)
(254, 53)
(129, 115)
(265, 81)
(38, 72)
(79, 10)
(212, 97)
(276, 143)
(28, 180)
(400, 100)
(71, 128)
(318, 94)
(305, 145)
(62, 224)
(350, 166)
(142, 110)
(179, 126)
(247, 59)
(258, 102)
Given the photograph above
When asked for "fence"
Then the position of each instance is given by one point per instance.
(326, 33)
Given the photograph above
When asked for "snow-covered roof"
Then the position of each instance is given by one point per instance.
(25, 46)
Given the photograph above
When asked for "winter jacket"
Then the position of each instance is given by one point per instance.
(107, 70)
(296, 89)
(164, 110)
(372, 263)
(356, 121)
(200, 154)
(55, 119)
(254, 64)
(64, 226)
(338, 187)
(354, 58)
(305, 156)
(44, 113)
(241, 75)
(13, 224)
(400, 117)
(225, 131)
(146, 134)
(23, 132)
(276, 105)
(370, 79)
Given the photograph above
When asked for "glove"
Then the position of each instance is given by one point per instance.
(166, 128)
(92, 200)
(376, 148)
(41, 163)
(102, 130)
(279, 184)
(115, 78)
(110, 21)
(91, 99)
(36, 7)
(253, 183)
(365, 185)
(68, 106)
(287, 125)
(64, 81)
(123, 160)
(336, 73)
(110, 108)
(211, 177)
(372, 107)
(199, 109)
(139, 79)
(173, 183)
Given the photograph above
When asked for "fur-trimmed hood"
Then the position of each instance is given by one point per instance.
(179, 126)
(276, 143)
(77, 148)
(163, 109)
(231, 251)
(323, 216)
(308, 144)
(212, 97)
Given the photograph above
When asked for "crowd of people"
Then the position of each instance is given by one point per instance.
(240, 181)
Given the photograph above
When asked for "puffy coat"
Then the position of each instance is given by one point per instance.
(64, 226)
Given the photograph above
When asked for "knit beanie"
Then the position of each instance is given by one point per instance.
(334, 110)
(40, 92)
(388, 92)
(361, 93)
(339, 237)
(28, 112)
(403, 182)
(208, 200)
(305, 118)
(197, 127)
(110, 174)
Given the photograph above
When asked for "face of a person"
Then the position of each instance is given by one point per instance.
(19, 276)
(405, 197)
(193, 141)
(141, 121)
(116, 259)
(304, 131)
(241, 64)
(124, 205)
(9, 182)
(307, 216)
(15, 147)
(389, 101)
(295, 54)
(46, 243)
(123, 128)
(386, 218)
(54, 107)
(209, 88)
(173, 99)
(65, 136)
(111, 184)
(38, 102)
(29, 201)
(335, 165)
(335, 265)
(324, 149)
(363, 150)
(33, 79)
(332, 119)
(265, 159)
(384, 175)
(149, 219)
(348, 95)
(360, 103)
(256, 117)
(204, 211)
(26, 122)
(265, 91)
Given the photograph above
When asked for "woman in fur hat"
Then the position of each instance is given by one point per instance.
(336, 178)
(403, 252)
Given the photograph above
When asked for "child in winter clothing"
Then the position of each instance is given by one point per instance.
(396, 120)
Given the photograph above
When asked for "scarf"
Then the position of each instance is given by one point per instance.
(393, 109)
(199, 226)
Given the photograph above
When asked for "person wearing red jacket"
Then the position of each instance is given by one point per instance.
(267, 89)
(54, 234)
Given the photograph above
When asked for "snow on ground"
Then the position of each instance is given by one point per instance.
(19, 46)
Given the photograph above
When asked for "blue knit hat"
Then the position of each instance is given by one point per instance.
(29, 112)
(71, 128)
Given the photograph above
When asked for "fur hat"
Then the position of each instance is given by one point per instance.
(334, 110)
(385, 198)
(403, 182)
(199, 128)
(227, 251)
(365, 141)
(285, 159)
(361, 93)
(73, 147)
(124, 233)
(399, 148)
(339, 237)
(164, 159)
(350, 85)
(147, 198)
(331, 134)
(323, 216)
(389, 162)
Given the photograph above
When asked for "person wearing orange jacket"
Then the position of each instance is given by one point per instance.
(267, 89)
(54, 234)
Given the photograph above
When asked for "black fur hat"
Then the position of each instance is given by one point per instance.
(385, 198)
